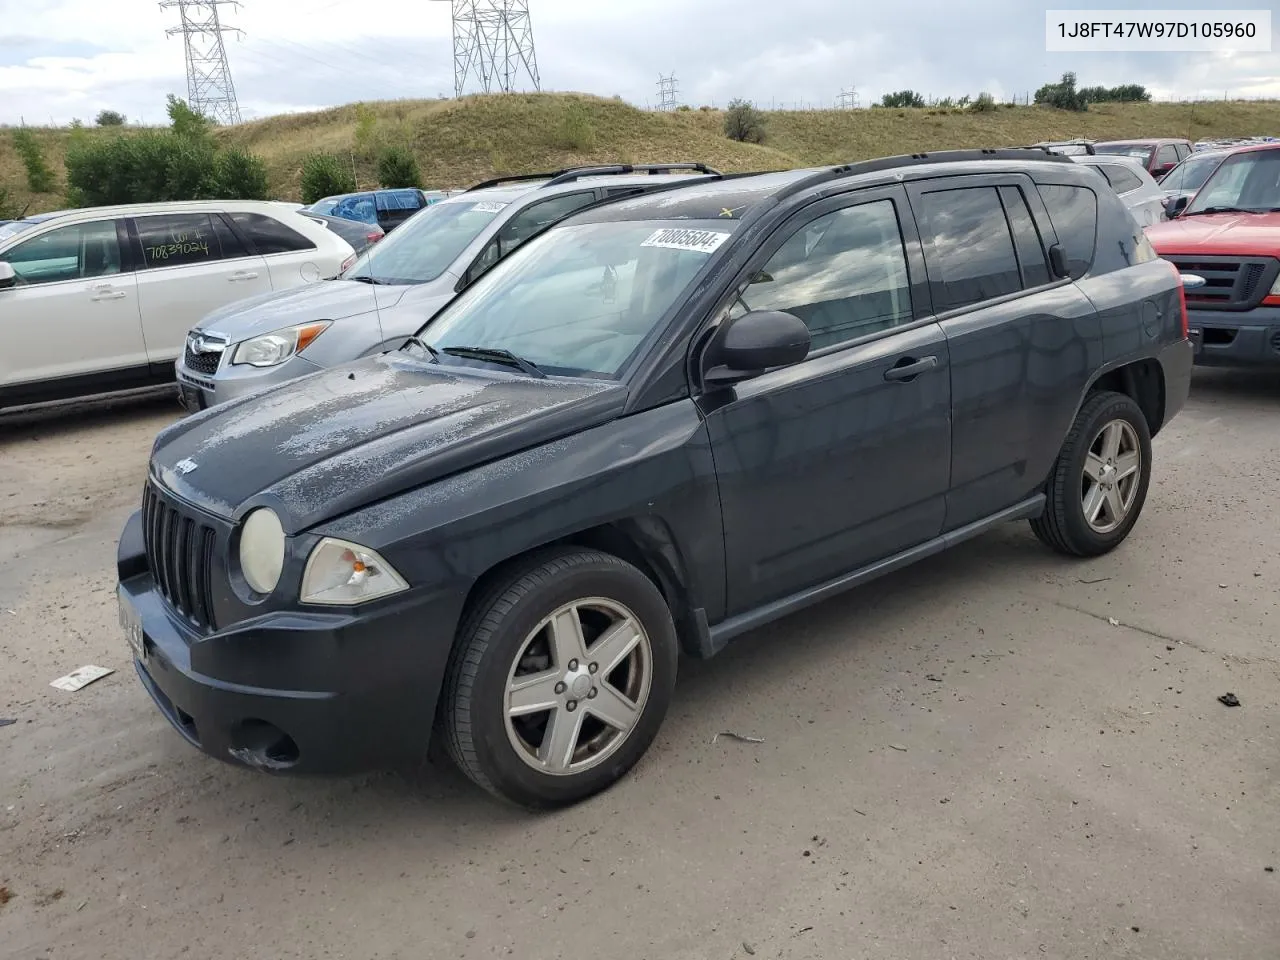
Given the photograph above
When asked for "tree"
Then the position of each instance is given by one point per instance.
(902, 98)
(743, 122)
(40, 177)
(110, 118)
(1062, 95)
(397, 167)
(240, 175)
(324, 175)
(186, 122)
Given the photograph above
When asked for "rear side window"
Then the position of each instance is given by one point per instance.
(184, 239)
(1074, 214)
(268, 235)
(971, 248)
(1166, 155)
(399, 200)
(1123, 179)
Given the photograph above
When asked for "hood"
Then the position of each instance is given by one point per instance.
(324, 300)
(318, 447)
(1219, 234)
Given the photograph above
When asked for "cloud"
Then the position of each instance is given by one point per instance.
(75, 57)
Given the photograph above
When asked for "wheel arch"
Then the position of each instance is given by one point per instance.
(1142, 381)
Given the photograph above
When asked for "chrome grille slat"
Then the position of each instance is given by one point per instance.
(1231, 283)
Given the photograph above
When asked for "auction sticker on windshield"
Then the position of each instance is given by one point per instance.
(680, 238)
(488, 206)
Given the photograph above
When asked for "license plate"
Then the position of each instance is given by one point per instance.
(131, 624)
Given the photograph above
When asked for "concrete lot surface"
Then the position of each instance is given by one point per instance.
(996, 754)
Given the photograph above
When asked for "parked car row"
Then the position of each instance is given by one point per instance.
(639, 413)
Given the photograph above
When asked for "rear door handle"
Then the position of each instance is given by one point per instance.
(908, 368)
(243, 275)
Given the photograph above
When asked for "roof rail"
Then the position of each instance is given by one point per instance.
(622, 169)
(514, 178)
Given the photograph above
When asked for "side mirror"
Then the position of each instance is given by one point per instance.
(8, 277)
(1175, 205)
(1058, 262)
(752, 344)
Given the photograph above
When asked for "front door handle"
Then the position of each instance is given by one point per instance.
(909, 368)
(107, 292)
(243, 275)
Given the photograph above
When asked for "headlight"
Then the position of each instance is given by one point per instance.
(276, 347)
(262, 550)
(340, 573)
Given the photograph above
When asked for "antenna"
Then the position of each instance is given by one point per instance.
(209, 88)
(667, 90)
(493, 42)
(849, 99)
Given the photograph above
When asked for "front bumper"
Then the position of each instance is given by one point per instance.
(199, 391)
(315, 693)
(1226, 339)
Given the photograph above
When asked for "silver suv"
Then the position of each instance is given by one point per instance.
(396, 285)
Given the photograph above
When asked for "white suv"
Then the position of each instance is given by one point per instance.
(100, 300)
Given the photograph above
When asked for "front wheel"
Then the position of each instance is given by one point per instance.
(1099, 482)
(560, 678)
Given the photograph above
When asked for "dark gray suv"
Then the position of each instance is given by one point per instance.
(660, 424)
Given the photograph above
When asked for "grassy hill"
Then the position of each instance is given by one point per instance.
(458, 142)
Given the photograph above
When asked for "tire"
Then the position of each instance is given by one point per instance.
(507, 640)
(1064, 525)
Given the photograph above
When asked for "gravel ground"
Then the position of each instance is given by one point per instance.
(995, 754)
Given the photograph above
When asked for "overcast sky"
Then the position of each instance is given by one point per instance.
(61, 59)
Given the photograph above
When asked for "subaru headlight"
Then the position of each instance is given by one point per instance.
(272, 349)
(262, 545)
(340, 573)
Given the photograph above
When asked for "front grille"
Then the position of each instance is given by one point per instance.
(180, 556)
(1231, 283)
(202, 362)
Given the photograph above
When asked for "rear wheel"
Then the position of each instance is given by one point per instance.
(1100, 480)
(560, 679)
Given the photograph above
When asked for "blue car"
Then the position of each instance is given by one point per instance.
(386, 208)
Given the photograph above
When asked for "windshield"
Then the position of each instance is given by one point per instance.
(427, 243)
(1247, 181)
(1139, 151)
(579, 300)
(1190, 174)
(323, 206)
(15, 228)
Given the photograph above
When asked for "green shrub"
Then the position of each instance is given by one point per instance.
(366, 129)
(240, 175)
(984, 103)
(39, 176)
(575, 130)
(743, 122)
(397, 167)
(1063, 95)
(110, 118)
(902, 98)
(186, 122)
(324, 175)
(8, 206)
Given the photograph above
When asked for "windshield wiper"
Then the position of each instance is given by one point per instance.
(426, 347)
(366, 279)
(1220, 210)
(496, 355)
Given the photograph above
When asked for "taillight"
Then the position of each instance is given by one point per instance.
(374, 237)
(347, 263)
(1182, 299)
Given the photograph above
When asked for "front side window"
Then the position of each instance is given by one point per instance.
(77, 252)
(972, 256)
(581, 300)
(1248, 182)
(844, 274)
(1166, 156)
(427, 244)
(185, 239)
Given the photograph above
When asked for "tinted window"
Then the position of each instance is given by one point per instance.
(179, 240)
(360, 208)
(1123, 179)
(1026, 238)
(972, 256)
(399, 200)
(1074, 214)
(269, 235)
(1166, 155)
(844, 274)
(77, 252)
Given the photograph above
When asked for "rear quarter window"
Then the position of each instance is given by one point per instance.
(268, 235)
(1073, 211)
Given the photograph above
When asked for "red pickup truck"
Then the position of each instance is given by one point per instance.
(1229, 235)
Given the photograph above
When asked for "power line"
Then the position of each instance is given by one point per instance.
(493, 42)
(209, 87)
(667, 90)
